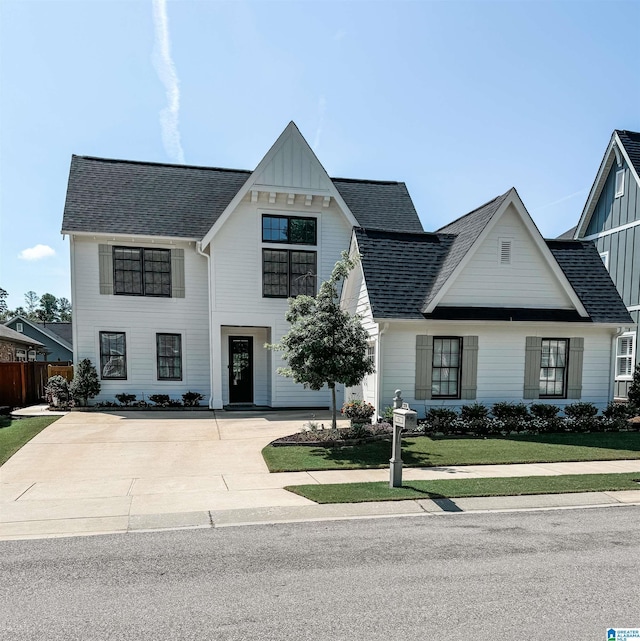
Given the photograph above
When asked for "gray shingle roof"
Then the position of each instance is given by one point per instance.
(125, 197)
(8, 334)
(403, 270)
(466, 229)
(583, 267)
(631, 142)
(400, 269)
(379, 205)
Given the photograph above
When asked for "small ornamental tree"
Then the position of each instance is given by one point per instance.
(85, 383)
(325, 344)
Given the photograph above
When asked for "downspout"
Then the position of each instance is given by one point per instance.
(379, 386)
(74, 317)
(209, 314)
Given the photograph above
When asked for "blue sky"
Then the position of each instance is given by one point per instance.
(460, 100)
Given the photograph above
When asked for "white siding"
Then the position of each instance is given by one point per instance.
(501, 353)
(527, 281)
(141, 317)
(237, 277)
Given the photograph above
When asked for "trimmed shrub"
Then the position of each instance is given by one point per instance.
(515, 417)
(582, 417)
(192, 399)
(160, 400)
(475, 418)
(358, 411)
(615, 416)
(544, 418)
(634, 392)
(439, 419)
(57, 391)
(125, 399)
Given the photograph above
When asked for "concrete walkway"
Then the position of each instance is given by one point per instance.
(91, 473)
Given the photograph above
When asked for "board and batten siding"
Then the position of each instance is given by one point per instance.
(611, 212)
(527, 281)
(141, 318)
(236, 271)
(500, 361)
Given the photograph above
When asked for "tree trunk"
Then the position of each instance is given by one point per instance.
(334, 424)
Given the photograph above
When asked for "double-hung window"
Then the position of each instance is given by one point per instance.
(288, 272)
(139, 271)
(625, 356)
(445, 373)
(553, 368)
(113, 355)
(169, 357)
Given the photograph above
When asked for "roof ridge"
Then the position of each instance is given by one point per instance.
(369, 181)
(473, 211)
(148, 163)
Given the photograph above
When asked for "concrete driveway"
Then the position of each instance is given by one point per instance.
(97, 471)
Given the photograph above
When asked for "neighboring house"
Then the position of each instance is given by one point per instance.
(611, 218)
(485, 310)
(56, 338)
(15, 346)
(180, 274)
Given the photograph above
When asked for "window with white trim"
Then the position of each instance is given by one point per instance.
(19, 327)
(605, 258)
(619, 183)
(625, 356)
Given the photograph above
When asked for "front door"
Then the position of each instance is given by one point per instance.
(240, 369)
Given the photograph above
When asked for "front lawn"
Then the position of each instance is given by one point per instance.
(14, 433)
(457, 488)
(423, 451)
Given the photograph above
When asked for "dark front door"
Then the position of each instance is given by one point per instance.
(240, 369)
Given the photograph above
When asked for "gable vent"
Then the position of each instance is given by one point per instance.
(505, 251)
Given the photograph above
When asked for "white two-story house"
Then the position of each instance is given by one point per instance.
(180, 275)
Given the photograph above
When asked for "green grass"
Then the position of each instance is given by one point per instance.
(423, 451)
(14, 433)
(457, 488)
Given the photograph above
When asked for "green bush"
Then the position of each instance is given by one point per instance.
(633, 393)
(544, 418)
(474, 411)
(582, 417)
(192, 399)
(57, 391)
(439, 419)
(161, 400)
(475, 418)
(85, 383)
(358, 411)
(514, 417)
(544, 411)
(125, 399)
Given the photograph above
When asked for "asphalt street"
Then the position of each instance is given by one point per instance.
(556, 574)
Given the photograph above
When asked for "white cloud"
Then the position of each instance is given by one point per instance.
(166, 71)
(37, 253)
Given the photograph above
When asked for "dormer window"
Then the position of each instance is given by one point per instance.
(619, 183)
(19, 327)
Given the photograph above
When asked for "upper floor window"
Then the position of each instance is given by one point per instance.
(625, 356)
(619, 183)
(140, 271)
(553, 368)
(605, 258)
(293, 230)
(288, 273)
(19, 327)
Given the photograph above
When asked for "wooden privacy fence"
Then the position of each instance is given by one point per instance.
(61, 370)
(22, 383)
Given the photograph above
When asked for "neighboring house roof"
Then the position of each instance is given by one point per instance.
(61, 333)
(569, 234)
(152, 199)
(8, 334)
(623, 146)
(403, 270)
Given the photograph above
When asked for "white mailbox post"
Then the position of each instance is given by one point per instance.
(403, 418)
